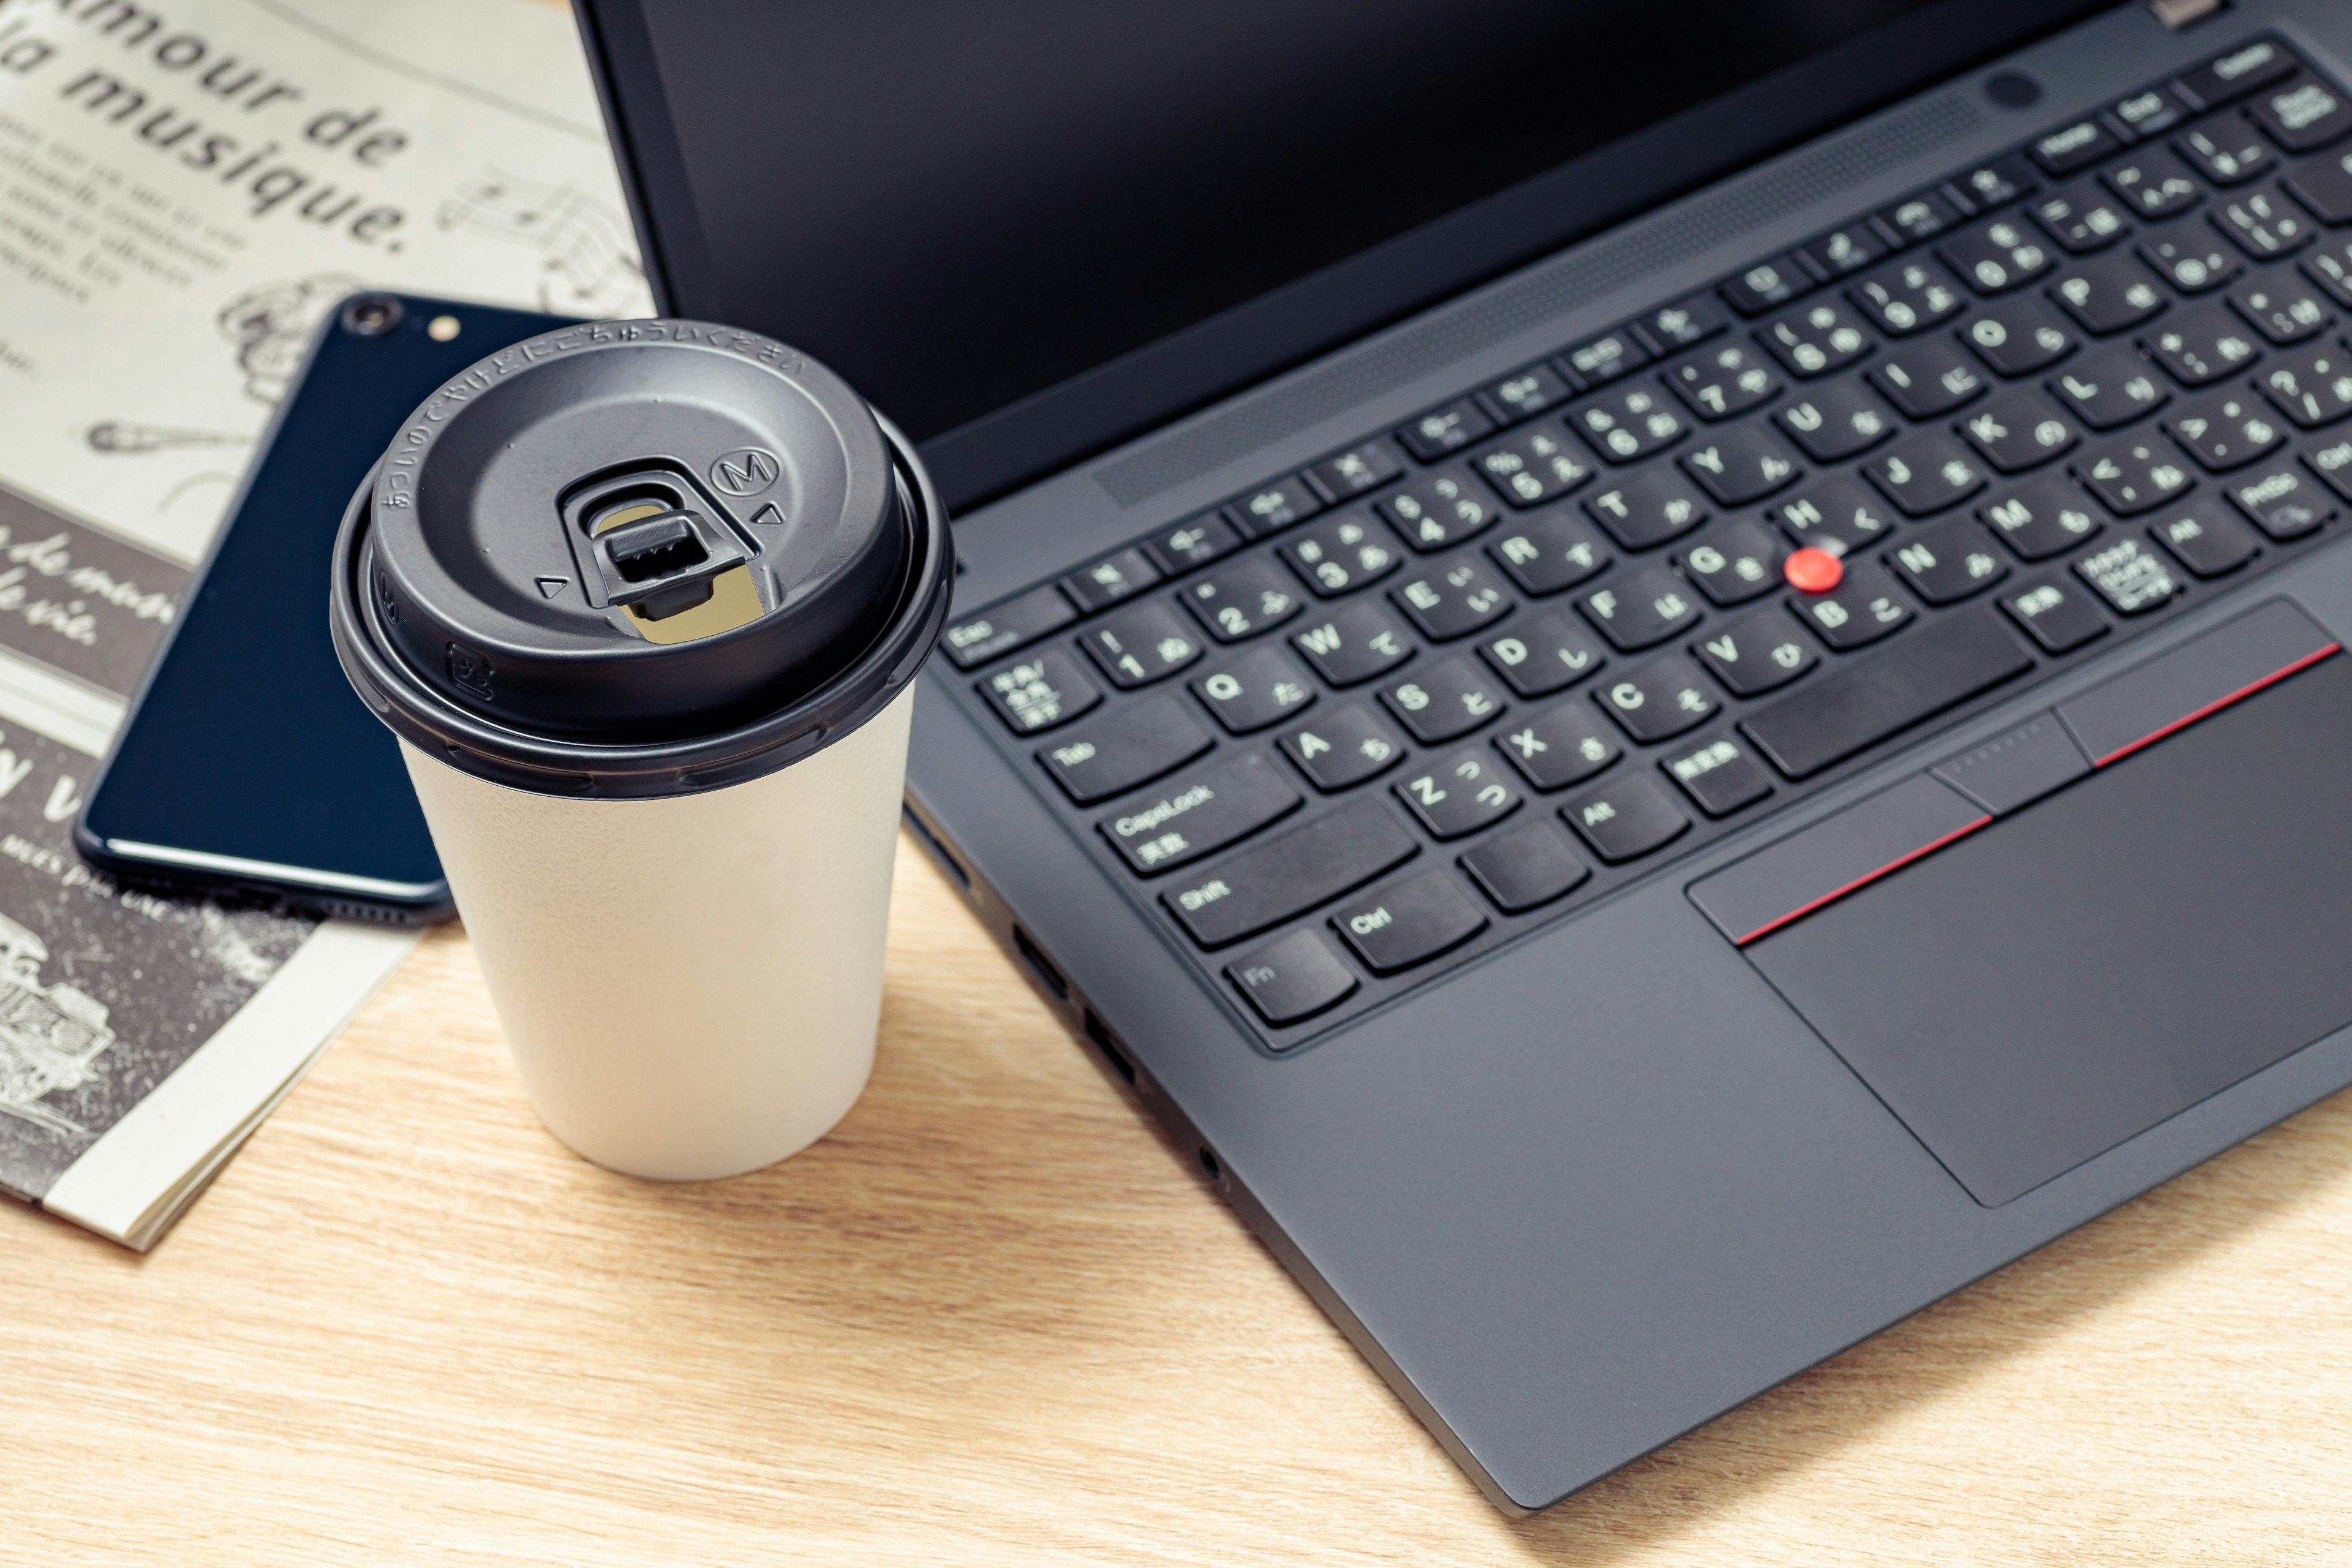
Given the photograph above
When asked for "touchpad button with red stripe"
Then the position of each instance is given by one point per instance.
(2045, 946)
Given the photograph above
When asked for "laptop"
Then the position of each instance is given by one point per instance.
(1668, 679)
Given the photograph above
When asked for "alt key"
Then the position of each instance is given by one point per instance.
(1293, 978)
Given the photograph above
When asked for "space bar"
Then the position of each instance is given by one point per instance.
(1910, 679)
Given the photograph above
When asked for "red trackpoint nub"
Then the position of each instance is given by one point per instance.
(1813, 571)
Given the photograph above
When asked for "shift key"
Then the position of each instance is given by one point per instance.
(1290, 874)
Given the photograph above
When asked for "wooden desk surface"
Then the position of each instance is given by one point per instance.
(995, 1318)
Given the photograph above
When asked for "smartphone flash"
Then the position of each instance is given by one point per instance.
(441, 329)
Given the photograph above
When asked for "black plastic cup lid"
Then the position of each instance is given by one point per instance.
(639, 558)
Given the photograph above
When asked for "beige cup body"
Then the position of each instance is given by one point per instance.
(690, 986)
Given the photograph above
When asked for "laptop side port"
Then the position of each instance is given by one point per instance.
(1108, 1043)
(1043, 966)
(930, 841)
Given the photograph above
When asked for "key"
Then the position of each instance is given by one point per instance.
(1141, 644)
(1922, 216)
(1127, 747)
(2075, 146)
(1648, 508)
(1243, 599)
(2281, 307)
(2147, 113)
(1261, 687)
(2330, 267)
(1860, 610)
(1524, 395)
(2281, 502)
(1927, 474)
(1447, 429)
(1629, 423)
(1720, 776)
(1844, 250)
(1460, 795)
(1276, 507)
(1767, 284)
(2263, 225)
(1355, 642)
(1535, 466)
(1356, 470)
(1342, 553)
(1836, 420)
(1949, 562)
(1198, 813)
(1543, 655)
(1834, 514)
(1451, 697)
(1111, 580)
(2314, 387)
(2081, 218)
(1996, 256)
(1343, 748)
(2201, 345)
(2108, 295)
(2019, 431)
(2301, 115)
(1928, 379)
(1040, 692)
(2132, 578)
(1604, 358)
(1674, 327)
(2114, 386)
(1657, 701)
(1758, 655)
(2004, 179)
(1440, 509)
(2225, 150)
(1903, 297)
(2204, 540)
(1741, 465)
(1735, 565)
(1526, 868)
(1817, 338)
(1016, 623)
(2225, 430)
(1549, 552)
(1948, 660)
(1409, 922)
(1289, 873)
(1452, 600)
(2191, 258)
(2018, 337)
(2232, 76)
(1558, 746)
(1728, 379)
(2133, 475)
(1293, 978)
(2325, 185)
(1192, 543)
(2043, 519)
(1625, 820)
(1641, 607)
(2058, 616)
(2153, 183)
(2334, 464)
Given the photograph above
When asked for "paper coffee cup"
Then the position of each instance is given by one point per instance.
(644, 601)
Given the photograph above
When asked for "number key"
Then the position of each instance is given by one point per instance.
(1629, 423)
(1441, 509)
(1342, 553)
(1142, 645)
(1729, 379)
(1534, 466)
(1243, 599)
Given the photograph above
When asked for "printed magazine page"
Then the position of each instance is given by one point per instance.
(187, 189)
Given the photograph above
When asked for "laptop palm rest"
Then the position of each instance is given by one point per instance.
(2039, 991)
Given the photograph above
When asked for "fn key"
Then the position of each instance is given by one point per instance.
(1294, 977)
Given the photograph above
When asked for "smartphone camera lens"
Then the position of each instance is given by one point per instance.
(372, 315)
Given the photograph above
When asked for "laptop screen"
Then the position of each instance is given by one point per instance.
(1027, 229)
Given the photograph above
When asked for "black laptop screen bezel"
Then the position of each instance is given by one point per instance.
(1128, 396)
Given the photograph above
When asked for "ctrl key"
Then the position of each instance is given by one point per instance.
(1293, 978)
(1409, 922)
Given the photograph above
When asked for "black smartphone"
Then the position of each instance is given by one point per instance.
(247, 764)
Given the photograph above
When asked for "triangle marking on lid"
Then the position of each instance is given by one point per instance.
(550, 586)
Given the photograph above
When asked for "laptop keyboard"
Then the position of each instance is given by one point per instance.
(1383, 714)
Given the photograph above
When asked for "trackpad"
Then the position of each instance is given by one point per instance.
(2072, 975)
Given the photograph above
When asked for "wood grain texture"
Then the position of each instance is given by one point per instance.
(995, 1318)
